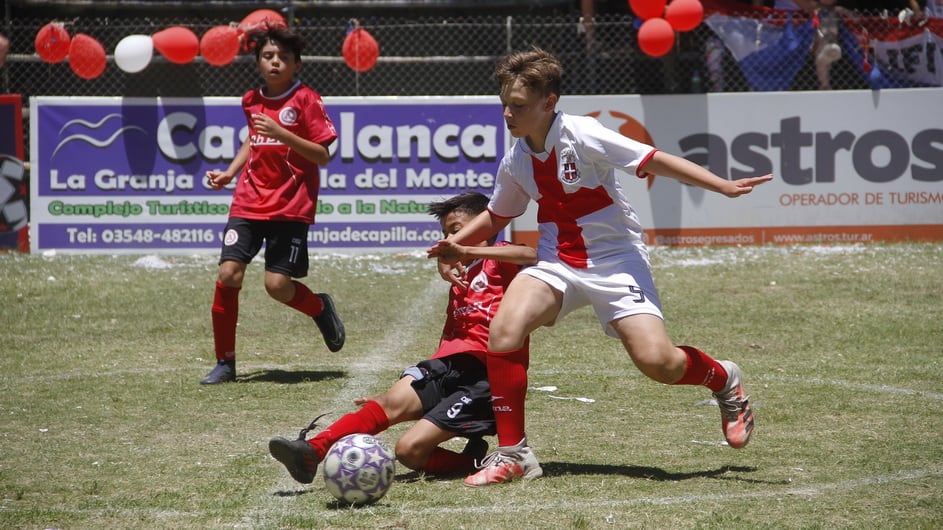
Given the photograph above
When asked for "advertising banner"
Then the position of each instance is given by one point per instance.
(14, 177)
(853, 166)
(128, 175)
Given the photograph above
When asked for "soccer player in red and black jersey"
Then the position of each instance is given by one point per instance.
(446, 395)
(275, 197)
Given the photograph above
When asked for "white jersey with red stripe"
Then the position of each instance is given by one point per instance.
(584, 218)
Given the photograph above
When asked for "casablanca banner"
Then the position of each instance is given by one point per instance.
(114, 175)
(128, 175)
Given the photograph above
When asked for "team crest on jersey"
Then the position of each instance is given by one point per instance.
(480, 283)
(571, 173)
(288, 116)
(231, 237)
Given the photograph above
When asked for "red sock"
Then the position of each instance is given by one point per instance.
(445, 462)
(305, 301)
(702, 370)
(370, 419)
(225, 316)
(507, 375)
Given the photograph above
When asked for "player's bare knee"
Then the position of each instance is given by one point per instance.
(411, 454)
(503, 336)
(279, 289)
(501, 340)
(659, 364)
(230, 276)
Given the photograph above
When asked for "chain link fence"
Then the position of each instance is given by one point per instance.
(432, 55)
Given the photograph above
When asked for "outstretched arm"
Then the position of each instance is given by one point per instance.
(688, 172)
(517, 254)
(481, 228)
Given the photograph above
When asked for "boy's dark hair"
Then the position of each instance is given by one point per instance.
(470, 202)
(538, 69)
(279, 34)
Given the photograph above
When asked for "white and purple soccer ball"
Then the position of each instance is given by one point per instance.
(359, 469)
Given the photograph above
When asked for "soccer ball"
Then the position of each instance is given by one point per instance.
(359, 469)
(13, 194)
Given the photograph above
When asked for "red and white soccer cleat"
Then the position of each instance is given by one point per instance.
(505, 465)
(736, 414)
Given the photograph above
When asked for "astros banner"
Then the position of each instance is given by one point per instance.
(853, 166)
(127, 175)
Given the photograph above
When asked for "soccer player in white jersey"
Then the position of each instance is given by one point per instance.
(590, 252)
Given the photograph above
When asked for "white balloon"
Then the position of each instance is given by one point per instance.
(134, 52)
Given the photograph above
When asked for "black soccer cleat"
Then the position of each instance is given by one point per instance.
(332, 329)
(223, 372)
(297, 456)
(476, 448)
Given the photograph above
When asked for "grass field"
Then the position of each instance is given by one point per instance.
(104, 424)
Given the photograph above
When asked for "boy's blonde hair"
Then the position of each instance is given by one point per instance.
(539, 70)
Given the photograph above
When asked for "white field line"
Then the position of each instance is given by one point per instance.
(286, 505)
(370, 366)
(363, 370)
(807, 491)
(881, 389)
(808, 381)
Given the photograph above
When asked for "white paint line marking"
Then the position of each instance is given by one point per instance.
(363, 374)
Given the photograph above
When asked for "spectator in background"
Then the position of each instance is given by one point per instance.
(4, 48)
(931, 9)
(792, 5)
(714, 53)
(825, 48)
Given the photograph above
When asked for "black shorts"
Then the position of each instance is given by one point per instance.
(455, 394)
(286, 244)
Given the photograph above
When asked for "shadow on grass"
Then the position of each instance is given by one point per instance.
(553, 469)
(290, 493)
(556, 469)
(289, 378)
(331, 504)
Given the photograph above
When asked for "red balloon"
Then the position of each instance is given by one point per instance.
(684, 15)
(646, 9)
(52, 42)
(656, 37)
(360, 50)
(87, 56)
(260, 17)
(178, 44)
(220, 45)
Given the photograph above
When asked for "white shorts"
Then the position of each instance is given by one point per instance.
(614, 290)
